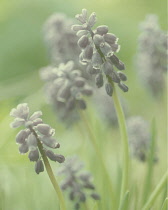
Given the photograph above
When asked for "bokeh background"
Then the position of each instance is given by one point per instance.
(23, 53)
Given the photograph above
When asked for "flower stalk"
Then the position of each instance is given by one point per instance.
(49, 171)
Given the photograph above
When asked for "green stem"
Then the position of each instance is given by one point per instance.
(49, 171)
(156, 192)
(124, 137)
(95, 145)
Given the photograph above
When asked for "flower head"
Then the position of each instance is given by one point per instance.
(35, 133)
(65, 87)
(152, 54)
(97, 52)
(139, 137)
(76, 182)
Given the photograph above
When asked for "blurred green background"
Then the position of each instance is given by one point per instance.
(23, 53)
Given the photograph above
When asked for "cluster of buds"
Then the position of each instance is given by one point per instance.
(65, 87)
(97, 52)
(139, 137)
(60, 40)
(152, 54)
(35, 137)
(77, 183)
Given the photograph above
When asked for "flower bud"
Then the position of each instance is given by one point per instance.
(87, 53)
(21, 111)
(50, 142)
(82, 32)
(123, 87)
(117, 62)
(114, 76)
(21, 136)
(35, 115)
(102, 29)
(31, 141)
(87, 91)
(51, 155)
(109, 89)
(37, 121)
(82, 197)
(33, 155)
(60, 158)
(80, 18)
(122, 76)
(45, 129)
(23, 148)
(79, 82)
(17, 123)
(110, 38)
(98, 40)
(92, 19)
(84, 14)
(115, 47)
(76, 27)
(63, 93)
(96, 60)
(107, 50)
(39, 167)
(107, 68)
(99, 80)
(91, 70)
(83, 41)
(95, 196)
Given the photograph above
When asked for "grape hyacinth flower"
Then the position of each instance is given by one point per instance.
(60, 40)
(37, 137)
(97, 52)
(152, 54)
(139, 137)
(77, 183)
(65, 88)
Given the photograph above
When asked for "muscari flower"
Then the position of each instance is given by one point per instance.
(61, 42)
(35, 133)
(77, 183)
(152, 54)
(97, 52)
(65, 88)
(139, 137)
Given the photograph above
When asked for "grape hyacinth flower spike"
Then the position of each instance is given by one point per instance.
(37, 139)
(152, 55)
(76, 182)
(65, 88)
(35, 133)
(97, 52)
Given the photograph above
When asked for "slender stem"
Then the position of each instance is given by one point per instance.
(95, 145)
(49, 171)
(124, 137)
(156, 192)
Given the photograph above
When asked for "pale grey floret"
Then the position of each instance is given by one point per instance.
(39, 167)
(33, 155)
(21, 137)
(77, 183)
(109, 89)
